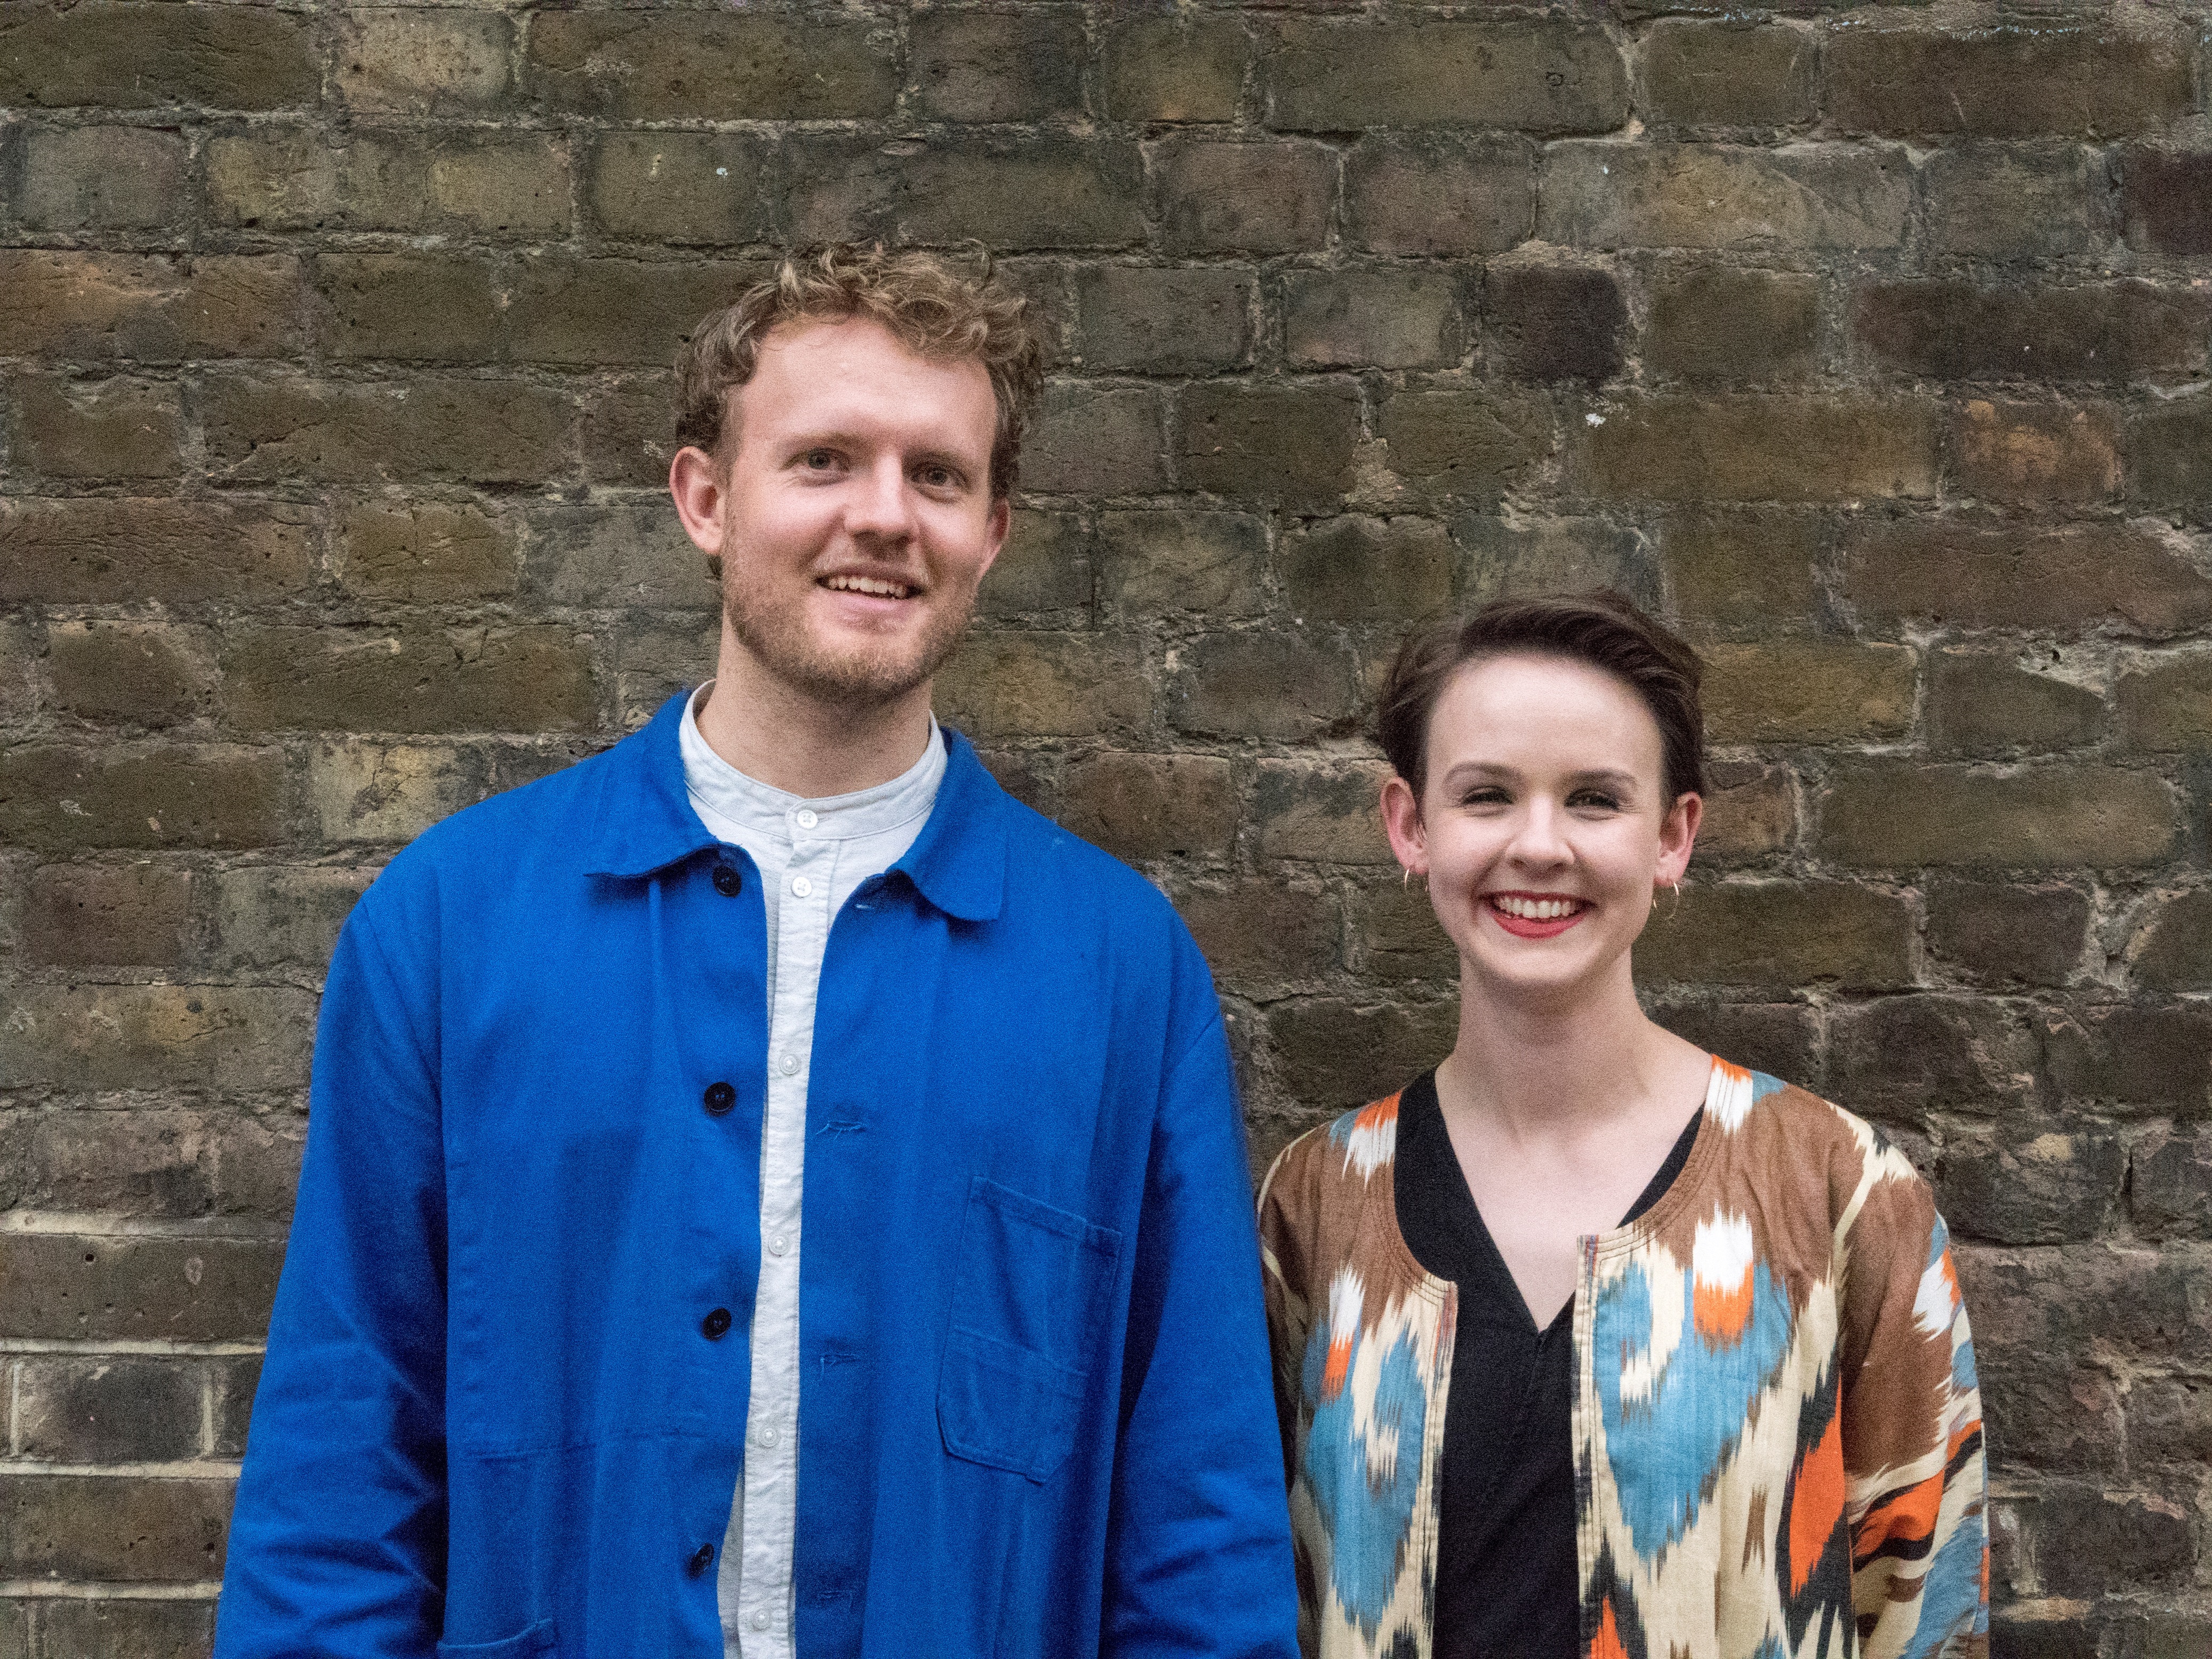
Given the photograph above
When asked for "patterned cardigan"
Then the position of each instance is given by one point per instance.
(1777, 1430)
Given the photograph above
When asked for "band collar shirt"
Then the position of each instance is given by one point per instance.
(812, 855)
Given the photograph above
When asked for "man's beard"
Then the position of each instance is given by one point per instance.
(776, 634)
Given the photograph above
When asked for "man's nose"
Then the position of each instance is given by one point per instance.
(882, 503)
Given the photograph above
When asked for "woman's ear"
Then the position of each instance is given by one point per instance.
(1678, 836)
(1401, 821)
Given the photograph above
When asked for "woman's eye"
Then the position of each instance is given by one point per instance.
(1596, 799)
(1486, 797)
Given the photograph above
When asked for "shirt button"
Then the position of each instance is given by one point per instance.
(702, 1558)
(806, 817)
(715, 1325)
(788, 1065)
(777, 1245)
(720, 1097)
(759, 1621)
(729, 880)
(768, 1437)
(800, 885)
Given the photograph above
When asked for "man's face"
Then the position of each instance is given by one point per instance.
(857, 519)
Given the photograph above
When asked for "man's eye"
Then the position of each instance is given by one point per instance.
(938, 477)
(820, 459)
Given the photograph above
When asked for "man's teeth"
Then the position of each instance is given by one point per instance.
(869, 585)
(1536, 909)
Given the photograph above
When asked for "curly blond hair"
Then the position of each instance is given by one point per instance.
(933, 305)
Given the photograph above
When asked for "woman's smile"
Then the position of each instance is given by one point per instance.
(1535, 915)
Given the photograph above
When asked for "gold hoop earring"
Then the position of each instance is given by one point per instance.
(1405, 878)
(1675, 887)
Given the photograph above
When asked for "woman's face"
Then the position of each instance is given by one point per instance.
(1545, 828)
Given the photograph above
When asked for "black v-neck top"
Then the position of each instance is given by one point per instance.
(1506, 1574)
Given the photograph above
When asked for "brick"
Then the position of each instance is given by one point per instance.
(2099, 817)
(1982, 704)
(1972, 572)
(98, 430)
(428, 553)
(1151, 563)
(615, 555)
(2081, 1533)
(480, 183)
(1751, 812)
(1180, 320)
(121, 915)
(107, 1411)
(1360, 569)
(1397, 936)
(1554, 322)
(110, 178)
(92, 1527)
(1725, 75)
(2003, 83)
(2154, 1058)
(57, 798)
(462, 430)
(424, 307)
(116, 1628)
(2166, 201)
(1728, 324)
(1333, 1052)
(645, 66)
(138, 1036)
(1782, 936)
(149, 57)
(2170, 1185)
(2008, 202)
(630, 432)
(2168, 706)
(698, 188)
(2027, 454)
(99, 307)
(2169, 1421)
(2176, 951)
(2013, 1186)
(1015, 192)
(394, 62)
(361, 792)
(1387, 319)
(1284, 686)
(1263, 933)
(1141, 807)
(2169, 457)
(140, 1164)
(532, 679)
(1040, 685)
(234, 1385)
(1176, 69)
(1453, 444)
(2004, 934)
(1327, 812)
(1714, 196)
(1809, 690)
(1096, 440)
(1742, 448)
(1953, 328)
(1043, 570)
(1542, 78)
(1222, 197)
(563, 310)
(1439, 194)
(653, 664)
(1499, 558)
(1904, 1057)
(996, 66)
(275, 916)
(1776, 1038)
(16, 1629)
(1287, 444)
(112, 551)
(2045, 1410)
(20, 651)
(1741, 567)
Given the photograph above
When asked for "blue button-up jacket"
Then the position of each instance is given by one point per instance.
(496, 1417)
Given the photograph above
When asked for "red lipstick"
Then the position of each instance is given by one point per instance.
(1533, 927)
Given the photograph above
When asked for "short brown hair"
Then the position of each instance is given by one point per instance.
(1603, 629)
(929, 302)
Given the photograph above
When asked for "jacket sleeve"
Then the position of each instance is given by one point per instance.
(1912, 1418)
(1198, 1548)
(1290, 1309)
(337, 1541)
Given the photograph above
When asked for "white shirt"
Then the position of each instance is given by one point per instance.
(811, 855)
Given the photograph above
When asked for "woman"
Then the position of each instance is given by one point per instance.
(1588, 1343)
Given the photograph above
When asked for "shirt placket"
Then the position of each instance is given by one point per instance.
(765, 1602)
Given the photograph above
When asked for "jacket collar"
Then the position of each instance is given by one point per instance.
(643, 822)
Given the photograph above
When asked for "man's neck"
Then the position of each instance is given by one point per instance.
(803, 746)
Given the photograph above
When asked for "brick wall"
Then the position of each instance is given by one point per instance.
(1872, 345)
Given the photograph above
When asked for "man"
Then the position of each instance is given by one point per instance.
(769, 1193)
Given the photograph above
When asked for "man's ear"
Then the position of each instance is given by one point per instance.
(699, 484)
(1002, 518)
(1401, 821)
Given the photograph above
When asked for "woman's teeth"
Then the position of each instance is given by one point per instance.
(1536, 909)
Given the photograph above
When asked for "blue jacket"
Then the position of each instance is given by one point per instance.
(1036, 1415)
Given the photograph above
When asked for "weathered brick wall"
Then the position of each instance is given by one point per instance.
(1872, 345)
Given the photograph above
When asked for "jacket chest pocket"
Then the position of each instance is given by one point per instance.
(1028, 1304)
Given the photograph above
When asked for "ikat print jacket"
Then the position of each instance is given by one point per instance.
(1777, 1426)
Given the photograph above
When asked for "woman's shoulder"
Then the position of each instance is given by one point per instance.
(1779, 1134)
(1348, 1151)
